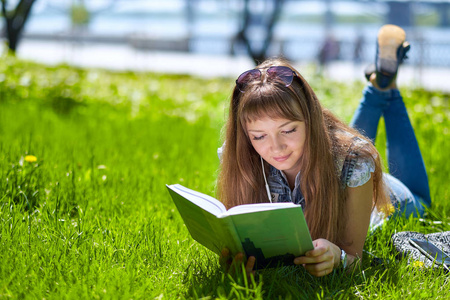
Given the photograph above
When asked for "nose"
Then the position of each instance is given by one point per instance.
(277, 145)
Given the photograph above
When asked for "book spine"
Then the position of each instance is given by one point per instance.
(230, 235)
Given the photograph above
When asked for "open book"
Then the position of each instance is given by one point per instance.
(272, 232)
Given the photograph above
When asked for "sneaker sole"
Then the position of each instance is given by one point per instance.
(390, 38)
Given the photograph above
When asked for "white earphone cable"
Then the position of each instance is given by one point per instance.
(265, 181)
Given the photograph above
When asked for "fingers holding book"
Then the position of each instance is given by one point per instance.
(321, 260)
(232, 265)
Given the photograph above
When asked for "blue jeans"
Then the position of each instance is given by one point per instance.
(408, 178)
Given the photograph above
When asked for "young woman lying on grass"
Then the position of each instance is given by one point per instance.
(277, 129)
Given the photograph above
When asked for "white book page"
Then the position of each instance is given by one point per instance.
(206, 202)
(247, 208)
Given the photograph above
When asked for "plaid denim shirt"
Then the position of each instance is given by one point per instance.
(279, 188)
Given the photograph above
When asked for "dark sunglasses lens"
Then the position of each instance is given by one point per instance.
(246, 77)
(285, 74)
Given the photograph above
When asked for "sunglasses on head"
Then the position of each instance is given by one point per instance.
(282, 73)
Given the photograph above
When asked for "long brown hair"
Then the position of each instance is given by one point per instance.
(240, 179)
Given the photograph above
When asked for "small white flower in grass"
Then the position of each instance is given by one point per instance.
(438, 118)
(25, 80)
(437, 101)
(104, 177)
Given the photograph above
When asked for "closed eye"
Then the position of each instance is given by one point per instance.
(290, 131)
(258, 138)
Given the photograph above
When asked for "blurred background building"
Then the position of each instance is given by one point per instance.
(320, 32)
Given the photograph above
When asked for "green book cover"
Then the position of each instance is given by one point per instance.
(272, 232)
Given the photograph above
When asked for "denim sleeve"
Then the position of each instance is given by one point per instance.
(361, 173)
(357, 168)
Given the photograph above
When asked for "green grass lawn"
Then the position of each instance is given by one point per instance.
(91, 217)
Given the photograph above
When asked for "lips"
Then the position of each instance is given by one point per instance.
(281, 158)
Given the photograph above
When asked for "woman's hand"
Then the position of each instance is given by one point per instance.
(322, 259)
(233, 265)
(326, 256)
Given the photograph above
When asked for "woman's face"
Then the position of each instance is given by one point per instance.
(280, 142)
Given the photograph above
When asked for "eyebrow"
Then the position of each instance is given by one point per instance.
(282, 125)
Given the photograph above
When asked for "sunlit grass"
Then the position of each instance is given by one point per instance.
(84, 213)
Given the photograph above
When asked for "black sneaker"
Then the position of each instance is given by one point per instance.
(391, 51)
